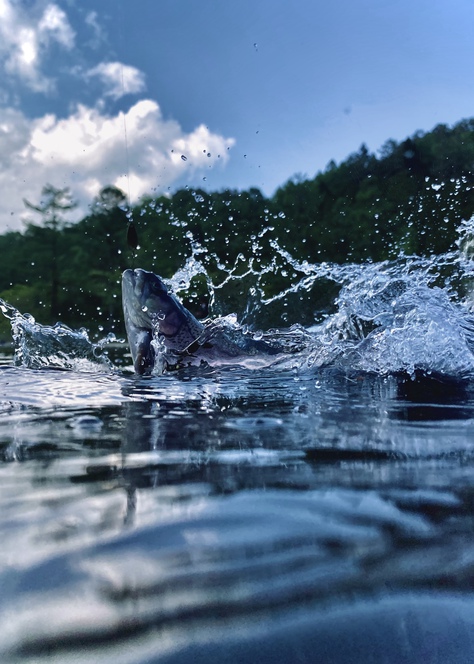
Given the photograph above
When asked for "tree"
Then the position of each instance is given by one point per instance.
(54, 202)
(109, 198)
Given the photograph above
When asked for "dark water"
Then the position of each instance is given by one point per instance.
(316, 510)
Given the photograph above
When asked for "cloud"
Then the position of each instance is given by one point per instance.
(91, 20)
(88, 150)
(54, 26)
(119, 79)
(26, 36)
(137, 150)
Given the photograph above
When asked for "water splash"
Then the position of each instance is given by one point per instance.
(54, 347)
(406, 315)
(391, 318)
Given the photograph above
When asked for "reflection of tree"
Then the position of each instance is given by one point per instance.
(54, 202)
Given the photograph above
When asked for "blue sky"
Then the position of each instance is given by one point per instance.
(250, 93)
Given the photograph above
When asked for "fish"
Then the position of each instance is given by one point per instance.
(155, 317)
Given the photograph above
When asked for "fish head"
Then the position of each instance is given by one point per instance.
(150, 310)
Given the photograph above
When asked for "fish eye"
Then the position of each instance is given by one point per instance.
(157, 287)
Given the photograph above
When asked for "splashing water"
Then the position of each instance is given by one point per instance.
(54, 347)
(402, 316)
(407, 315)
(392, 319)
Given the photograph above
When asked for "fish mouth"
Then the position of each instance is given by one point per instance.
(129, 281)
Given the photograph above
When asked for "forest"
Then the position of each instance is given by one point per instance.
(410, 197)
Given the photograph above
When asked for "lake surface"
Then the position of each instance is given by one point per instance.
(319, 509)
(235, 515)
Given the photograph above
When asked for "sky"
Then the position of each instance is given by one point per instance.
(154, 95)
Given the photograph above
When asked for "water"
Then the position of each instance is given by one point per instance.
(318, 509)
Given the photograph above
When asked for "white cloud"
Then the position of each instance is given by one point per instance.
(138, 151)
(25, 37)
(54, 26)
(119, 79)
(87, 150)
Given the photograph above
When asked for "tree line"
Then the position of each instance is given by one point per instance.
(409, 197)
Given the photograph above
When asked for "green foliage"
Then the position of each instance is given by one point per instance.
(409, 197)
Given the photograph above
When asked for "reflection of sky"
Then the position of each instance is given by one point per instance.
(268, 89)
